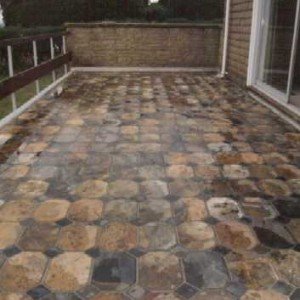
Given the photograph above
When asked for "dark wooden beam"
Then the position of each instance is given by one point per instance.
(12, 84)
(22, 40)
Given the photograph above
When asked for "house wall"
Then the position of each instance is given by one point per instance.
(239, 39)
(144, 45)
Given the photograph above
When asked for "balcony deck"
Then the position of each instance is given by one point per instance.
(149, 186)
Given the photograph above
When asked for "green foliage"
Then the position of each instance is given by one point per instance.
(156, 12)
(56, 12)
(16, 31)
(195, 9)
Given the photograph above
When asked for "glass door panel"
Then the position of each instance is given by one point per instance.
(276, 41)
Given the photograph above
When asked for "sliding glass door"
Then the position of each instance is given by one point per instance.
(274, 42)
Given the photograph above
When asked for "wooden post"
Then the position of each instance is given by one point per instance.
(11, 74)
(52, 57)
(35, 61)
(64, 46)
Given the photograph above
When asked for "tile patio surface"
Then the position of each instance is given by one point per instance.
(149, 186)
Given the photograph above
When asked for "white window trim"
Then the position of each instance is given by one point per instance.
(269, 91)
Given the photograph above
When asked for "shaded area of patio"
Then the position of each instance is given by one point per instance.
(149, 186)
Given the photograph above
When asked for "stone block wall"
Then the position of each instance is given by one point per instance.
(239, 39)
(144, 45)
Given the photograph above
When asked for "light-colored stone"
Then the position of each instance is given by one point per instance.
(9, 232)
(52, 210)
(91, 189)
(15, 172)
(77, 237)
(22, 272)
(236, 236)
(263, 295)
(32, 188)
(196, 235)
(117, 236)
(16, 211)
(190, 209)
(235, 172)
(123, 189)
(223, 208)
(180, 171)
(160, 271)
(157, 236)
(68, 272)
(85, 210)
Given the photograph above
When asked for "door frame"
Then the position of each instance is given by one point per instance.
(254, 51)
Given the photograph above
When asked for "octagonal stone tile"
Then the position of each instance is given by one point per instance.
(180, 171)
(9, 233)
(52, 210)
(109, 296)
(275, 158)
(68, 272)
(39, 237)
(294, 228)
(235, 172)
(274, 187)
(213, 295)
(190, 209)
(16, 211)
(121, 209)
(255, 274)
(251, 158)
(14, 296)
(15, 172)
(161, 296)
(157, 236)
(294, 185)
(196, 235)
(154, 211)
(288, 171)
(258, 209)
(184, 188)
(205, 270)
(91, 189)
(114, 271)
(286, 264)
(85, 210)
(223, 208)
(201, 158)
(77, 237)
(32, 188)
(22, 272)
(151, 172)
(49, 130)
(208, 172)
(159, 271)
(177, 158)
(154, 188)
(117, 236)
(35, 147)
(263, 295)
(236, 236)
(123, 189)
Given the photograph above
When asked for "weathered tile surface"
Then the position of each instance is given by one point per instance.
(68, 272)
(22, 272)
(153, 186)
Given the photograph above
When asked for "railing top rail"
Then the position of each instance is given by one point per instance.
(21, 40)
(12, 84)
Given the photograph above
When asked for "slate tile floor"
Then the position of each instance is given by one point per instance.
(149, 186)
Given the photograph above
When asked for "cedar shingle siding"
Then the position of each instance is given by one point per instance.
(239, 39)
